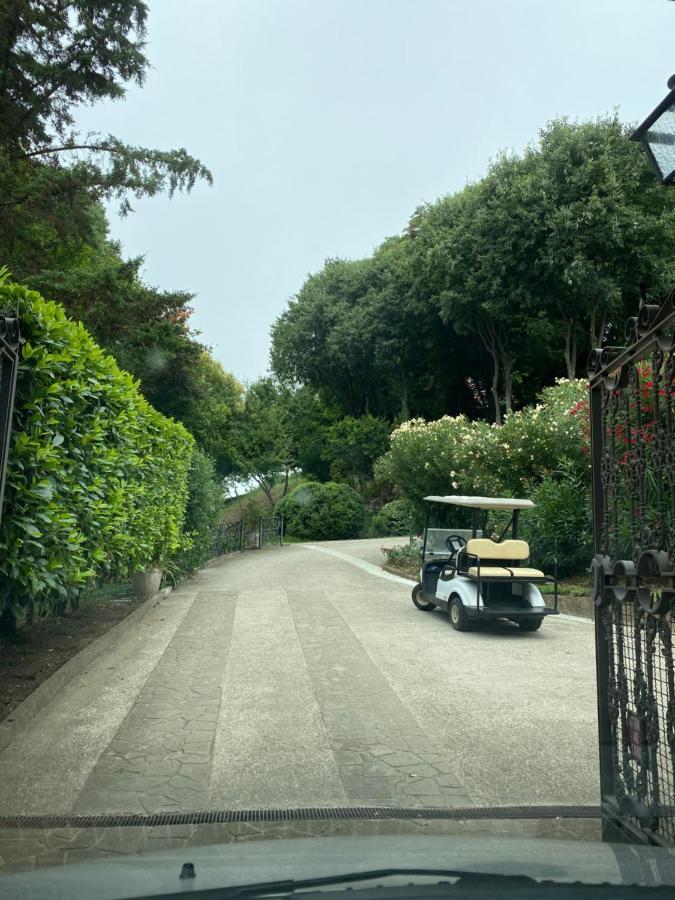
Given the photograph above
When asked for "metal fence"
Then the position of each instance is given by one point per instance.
(633, 461)
(234, 536)
(228, 538)
(9, 359)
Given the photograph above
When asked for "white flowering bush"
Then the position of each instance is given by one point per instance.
(457, 455)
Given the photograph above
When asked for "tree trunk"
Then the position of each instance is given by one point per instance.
(7, 622)
(495, 388)
(286, 482)
(489, 341)
(571, 349)
(267, 489)
(596, 336)
(405, 408)
(507, 371)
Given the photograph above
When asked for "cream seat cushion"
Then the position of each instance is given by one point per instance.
(484, 548)
(490, 572)
(499, 572)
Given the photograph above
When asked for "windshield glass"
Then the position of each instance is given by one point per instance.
(336, 458)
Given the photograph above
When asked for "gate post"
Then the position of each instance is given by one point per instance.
(605, 742)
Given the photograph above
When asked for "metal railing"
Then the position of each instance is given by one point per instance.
(228, 538)
(233, 536)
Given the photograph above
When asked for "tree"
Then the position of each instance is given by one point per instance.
(352, 446)
(325, 337)
(261, 437)
(368, 337)
(216, 403)
(478, 255)
(607, 238)
(55, 56)
(107, 294)
(308, 419)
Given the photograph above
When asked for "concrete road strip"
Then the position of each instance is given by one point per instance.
(362, 564)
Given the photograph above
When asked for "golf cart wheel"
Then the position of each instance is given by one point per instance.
(457, 614)
(420, 603)
(531, 624)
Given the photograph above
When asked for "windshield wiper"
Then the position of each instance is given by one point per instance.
(484, 883)
(290, 886)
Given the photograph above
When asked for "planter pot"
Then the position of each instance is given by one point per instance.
(146, 584)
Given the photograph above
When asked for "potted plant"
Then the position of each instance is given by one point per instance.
(146, 584)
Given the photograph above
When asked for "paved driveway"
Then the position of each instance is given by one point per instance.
(304, 676)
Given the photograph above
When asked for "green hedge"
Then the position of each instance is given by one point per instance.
(97, 479)
(322, 512)
(560, 526)
(396, 518)
(204, 512)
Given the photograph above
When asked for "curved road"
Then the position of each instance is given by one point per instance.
(304, 676)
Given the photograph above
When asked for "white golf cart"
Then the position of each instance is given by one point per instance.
(477, 579)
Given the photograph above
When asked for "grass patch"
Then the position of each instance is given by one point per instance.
(575, 586)
(255, 503)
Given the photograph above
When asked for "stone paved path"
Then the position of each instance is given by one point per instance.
(297, 677)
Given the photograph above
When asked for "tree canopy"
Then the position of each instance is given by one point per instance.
(492, 292)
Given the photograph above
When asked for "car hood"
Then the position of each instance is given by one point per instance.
(225, 865)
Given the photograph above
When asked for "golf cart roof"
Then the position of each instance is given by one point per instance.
(483, 502)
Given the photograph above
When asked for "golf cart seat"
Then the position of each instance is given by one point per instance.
(500, 572)
(484, 550)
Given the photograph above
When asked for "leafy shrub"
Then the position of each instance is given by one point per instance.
(560, 526)
(203, 512)
(456, 455)
(407, 558)
(395, 518)
(322, 512)
(97, 479)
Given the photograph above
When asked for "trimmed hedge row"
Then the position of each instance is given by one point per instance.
(97, 479)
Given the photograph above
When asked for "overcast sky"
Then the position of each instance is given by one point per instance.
(326, 122)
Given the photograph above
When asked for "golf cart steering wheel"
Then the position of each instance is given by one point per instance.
(454, 543)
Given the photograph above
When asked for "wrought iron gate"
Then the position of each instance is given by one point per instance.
(271, 530)
(633, 460)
